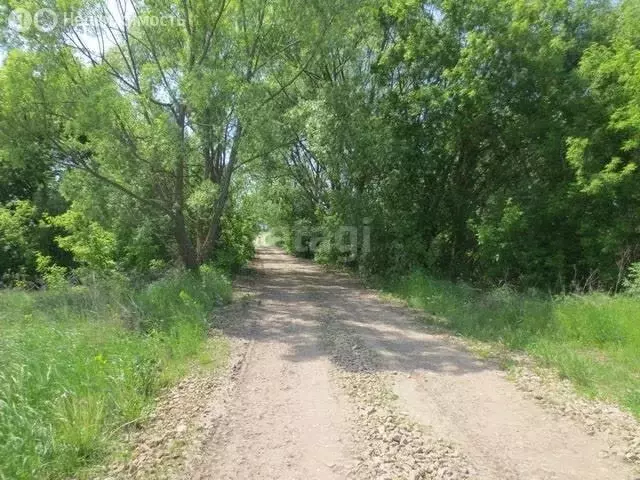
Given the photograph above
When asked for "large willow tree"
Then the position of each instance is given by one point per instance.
(152, 106)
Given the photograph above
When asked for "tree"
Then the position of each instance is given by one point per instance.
(160, 101)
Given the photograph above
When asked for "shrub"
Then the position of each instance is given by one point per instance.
(632, 282)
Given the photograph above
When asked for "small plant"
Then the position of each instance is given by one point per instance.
(632, 282)
(54, 276)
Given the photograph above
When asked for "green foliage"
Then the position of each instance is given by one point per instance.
(592, 339)
(79, 364)
(482, 141)
(108, 231)
(146, 135)
(88, 241)
(632, 282)
(202, 198)
(485, 142)
(53, 275)
(239, 230)
(17, 238)
(180, 295)
(495, 143)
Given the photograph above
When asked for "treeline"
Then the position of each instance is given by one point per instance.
(124, 143)
(495, 142)
(485, 141)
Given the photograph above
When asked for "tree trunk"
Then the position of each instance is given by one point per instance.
(185, 246)
(218, 209)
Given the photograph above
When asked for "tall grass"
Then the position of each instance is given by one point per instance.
(78, 365)
(593, 340)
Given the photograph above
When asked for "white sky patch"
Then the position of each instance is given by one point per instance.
(94, 31)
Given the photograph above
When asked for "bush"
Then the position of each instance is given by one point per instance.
(18, 240)
(632, 282)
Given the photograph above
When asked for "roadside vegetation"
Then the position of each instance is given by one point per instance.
(480, 142)
(591, 339)
(80, 365)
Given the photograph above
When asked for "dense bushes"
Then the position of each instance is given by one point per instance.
(78, 364)
(23, 236)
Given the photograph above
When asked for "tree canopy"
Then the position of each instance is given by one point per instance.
(482, 140)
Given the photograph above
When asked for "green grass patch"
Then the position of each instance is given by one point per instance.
(593, 340)
(79, 365)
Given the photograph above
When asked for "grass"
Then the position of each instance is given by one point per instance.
(593, 340)
(79, 365)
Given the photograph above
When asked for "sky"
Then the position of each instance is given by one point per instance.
(114, 13)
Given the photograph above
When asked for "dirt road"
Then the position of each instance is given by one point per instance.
(337, 384)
